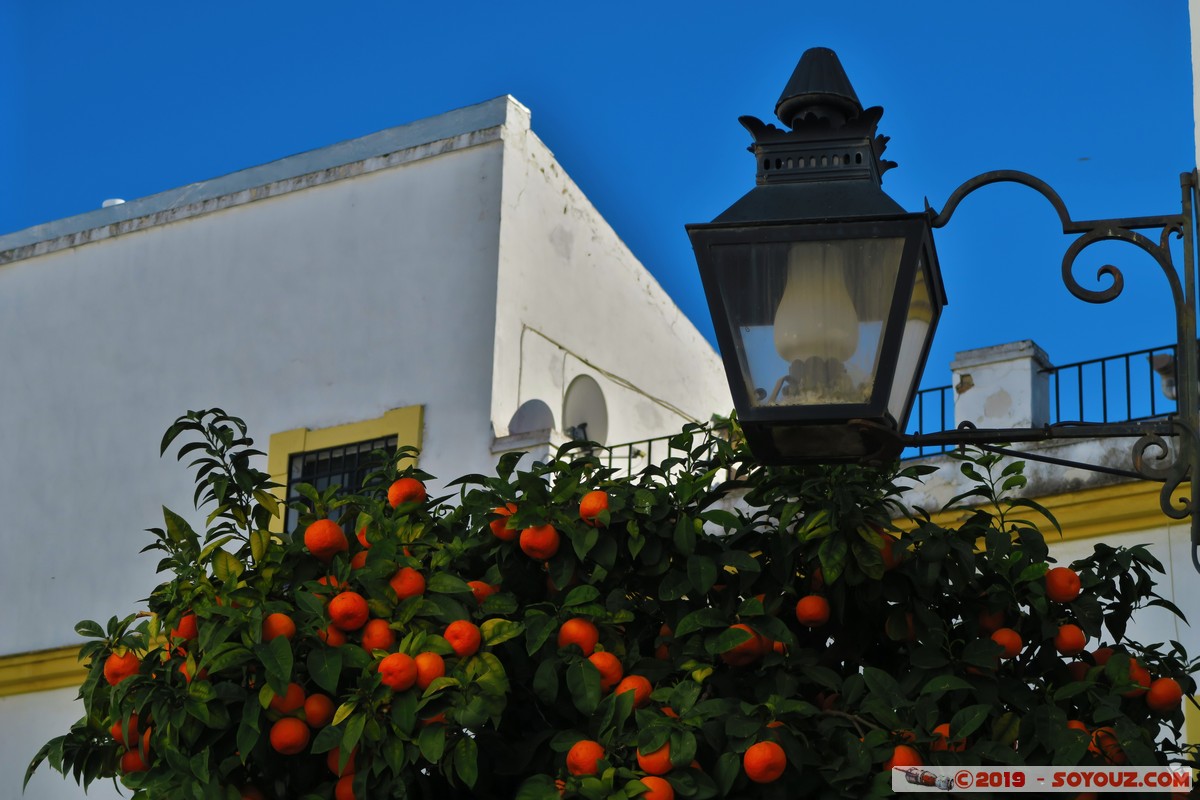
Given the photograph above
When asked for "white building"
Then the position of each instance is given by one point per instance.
(442, 282)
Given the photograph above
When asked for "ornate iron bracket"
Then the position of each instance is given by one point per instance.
(1166, 451)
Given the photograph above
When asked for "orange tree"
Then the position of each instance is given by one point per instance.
(706, 628)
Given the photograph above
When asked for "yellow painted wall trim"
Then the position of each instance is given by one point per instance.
(1101, 511)
(403, 423)
(41, 671)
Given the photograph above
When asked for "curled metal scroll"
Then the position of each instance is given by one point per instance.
(1089, 231)
(1170, 465)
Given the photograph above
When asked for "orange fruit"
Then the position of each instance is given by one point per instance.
(318, 710)
(464, 637)
(1070, 640)
(764, 762)
(398, 671)
(278, 624)
(580, 632)
(330, 582)
(657, 788)
(1077, 725)
(118, 667)
(1104, 742)
(639, 685)
(251, 793)
(942, 742)
(891, 551)
(344, 788)
(657, 762)
(539, 542)
(186, 629)
(1101, 655)
(289, 736)
(362, 538)
(430, 667)
(584, 756)
(482, 590)
(407, 582)
(359, 561)
(118, 732)
(290, 701)
(377, 634)
(348, 611)
(325, 539)
(812, 611)
(610, 669)
(1062, 584)
(406, 490)
(1164, 695)
(132, 761)
(591, 505)
(1140, 676)
(748, 651)
(335, 756)
(991, 621)
(1008, 639)
(498, 525)
(332, 636)
(1078, 670)
(903, 755)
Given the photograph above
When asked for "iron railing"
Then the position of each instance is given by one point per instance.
(1132, 386)
(1128, 387)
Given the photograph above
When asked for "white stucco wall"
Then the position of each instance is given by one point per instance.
(572, 296)
(314, 308)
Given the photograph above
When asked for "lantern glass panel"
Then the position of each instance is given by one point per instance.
(911, 358)
(808, 317)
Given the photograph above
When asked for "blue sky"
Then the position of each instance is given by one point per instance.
(639, 102)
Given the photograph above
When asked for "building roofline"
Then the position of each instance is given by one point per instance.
(453, 130)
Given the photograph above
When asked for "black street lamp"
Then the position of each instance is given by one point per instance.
(824, 292)
(825, 295)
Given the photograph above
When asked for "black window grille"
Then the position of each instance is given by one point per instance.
(346, 466)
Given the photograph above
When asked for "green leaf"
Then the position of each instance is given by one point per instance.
(248, 733)
(325, 667)
(538, 787)
(583, 681)
(725, 519)
(354, 730)
(466, 759)
(226, 567)
(497, 631)
(276, 657)
(704, 618)
(832, 552)
(941, 684)
(702, 573)
(445, 583)
(260, 543)
(89, 629)
(432, 742)
(545, 682)
(968, 720)
(267, 501)
(726, 771)
(685, 536)
(580, 595)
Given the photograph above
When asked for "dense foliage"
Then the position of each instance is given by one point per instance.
(697, 574)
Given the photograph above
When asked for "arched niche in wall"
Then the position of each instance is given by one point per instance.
(584, 409)
(533, 415)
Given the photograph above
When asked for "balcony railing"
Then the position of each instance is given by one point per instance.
(1122, 388)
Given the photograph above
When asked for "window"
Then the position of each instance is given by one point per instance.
(336, 455)
(346, 466)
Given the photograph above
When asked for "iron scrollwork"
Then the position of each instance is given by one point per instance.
(1154, 458)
